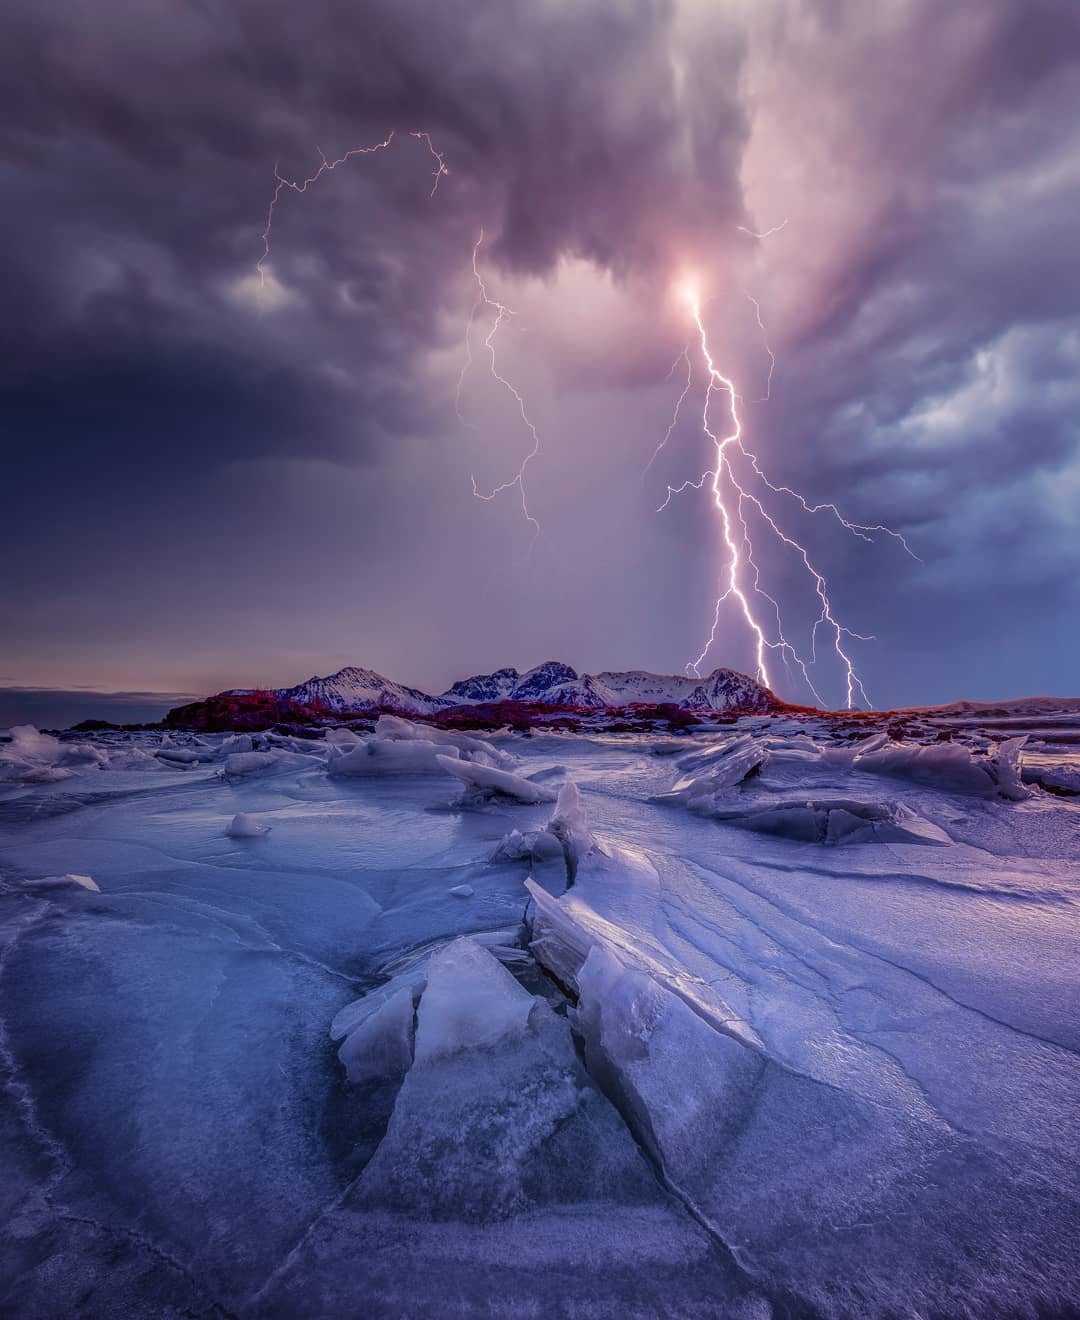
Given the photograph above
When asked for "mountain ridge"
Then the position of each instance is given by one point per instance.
(354, 690)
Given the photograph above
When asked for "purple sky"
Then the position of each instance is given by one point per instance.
(210, 484)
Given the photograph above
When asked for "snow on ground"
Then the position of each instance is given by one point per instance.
(773, 1020)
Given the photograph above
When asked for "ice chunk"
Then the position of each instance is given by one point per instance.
(855, 822)
(486, 779)
(35, 774)
(28, 741)
(60, 881)
(82, 757)
(469, 748)
(566, 929)
(724, 767)
(823, 1192)
(951, 767)
(537, 846)
(462, 891)
(713, 756)
(565, 837)
(570, 826)
(559, 942)
(411, 971)
(638, 1041)
(188, 752)
(384, 756)
(845, 754)
(832, 820)
(357, 1011)
(396, 729)
(177, 755)
(507, 1185)
(684, 1088)
(380, 1047)
(31, 757)
(237, 742)
(471, 1000)
(798, 747)
(479, 1135)
(47, 748)
(133, 758)
(342, 737)
(513, 847)
(243, 826)
(544, 846)
(1010, 783)
(1063, 777)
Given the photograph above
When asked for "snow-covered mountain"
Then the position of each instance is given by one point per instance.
(554, 683)
(359, 691)
(353, 690)
(484, 687)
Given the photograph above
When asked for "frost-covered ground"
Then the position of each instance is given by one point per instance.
(767, 1021)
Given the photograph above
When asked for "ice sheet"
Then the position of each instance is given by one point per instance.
(811, 1051)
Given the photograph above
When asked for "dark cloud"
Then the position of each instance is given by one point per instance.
(922, 300)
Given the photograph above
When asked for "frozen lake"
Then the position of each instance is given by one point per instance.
(764, 1021)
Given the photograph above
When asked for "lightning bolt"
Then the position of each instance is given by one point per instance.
(483, 300)
(765, 233)
(326, 167)
(732, 498)
(765, 343)
(862, 530)
(502, 314)
(440, 164)
(683, 356)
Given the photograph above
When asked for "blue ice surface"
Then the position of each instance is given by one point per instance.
(771, 1076)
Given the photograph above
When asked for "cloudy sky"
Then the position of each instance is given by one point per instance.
(215, 478)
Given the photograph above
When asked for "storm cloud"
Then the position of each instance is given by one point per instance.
(212, 479)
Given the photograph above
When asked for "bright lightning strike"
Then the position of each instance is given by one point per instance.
(502, 313)
(742, 579)
(325, 167)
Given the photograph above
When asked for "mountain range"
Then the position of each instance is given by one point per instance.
(356, 691)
